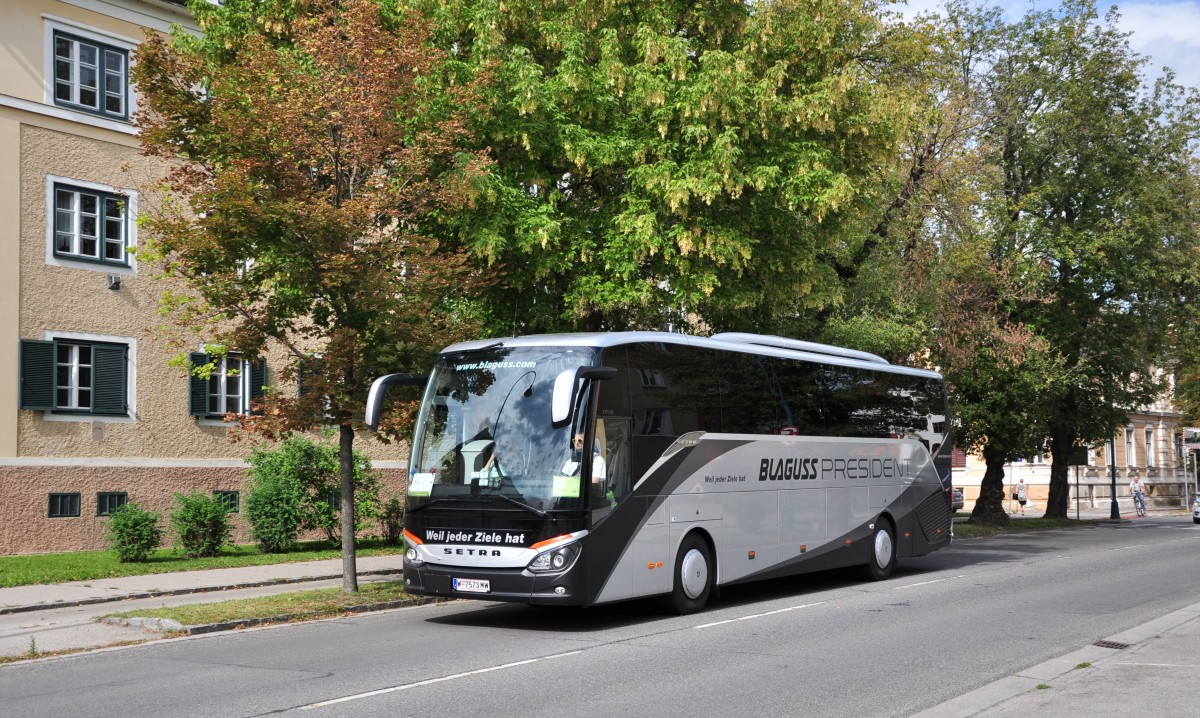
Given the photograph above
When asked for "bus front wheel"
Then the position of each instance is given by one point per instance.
(883, 550)
(693, 576)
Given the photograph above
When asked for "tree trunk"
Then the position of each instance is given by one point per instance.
(989, 508)
(346, 455)
(1062, 439)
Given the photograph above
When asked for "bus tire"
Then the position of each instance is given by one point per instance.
(693, 576)
(883, 550)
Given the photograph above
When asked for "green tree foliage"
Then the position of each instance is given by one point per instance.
(1100, 191)
(201, 524)
(133, 532)
(1060, 255)
(305, 142)
(664, 159)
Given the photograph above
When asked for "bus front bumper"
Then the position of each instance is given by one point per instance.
(564, 588)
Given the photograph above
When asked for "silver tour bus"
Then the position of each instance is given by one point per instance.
(579, 469)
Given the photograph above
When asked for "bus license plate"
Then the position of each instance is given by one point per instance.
(472, 585)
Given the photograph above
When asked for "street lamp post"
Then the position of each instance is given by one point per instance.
(1114, 512)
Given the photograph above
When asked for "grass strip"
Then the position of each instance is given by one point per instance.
(969, 530)
(88, 565)
(296, 605)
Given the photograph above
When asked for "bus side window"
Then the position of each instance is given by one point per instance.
(613, 434)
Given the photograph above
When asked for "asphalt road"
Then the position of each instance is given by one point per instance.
(823, 645)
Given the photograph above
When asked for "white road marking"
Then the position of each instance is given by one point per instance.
(757, 615)
(431, 681)
(926, 583)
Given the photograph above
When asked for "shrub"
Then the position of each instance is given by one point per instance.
(133, 533)
(392, 522)
(297, 486)
(201, 524)
(272, 504)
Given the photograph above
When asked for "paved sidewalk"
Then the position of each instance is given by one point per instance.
(1150, 670)
(75, 593)
(57, 617)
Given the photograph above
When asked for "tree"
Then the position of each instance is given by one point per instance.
(306, 141)
(1099, 185)
(659, 161)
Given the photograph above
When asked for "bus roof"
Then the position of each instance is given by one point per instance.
(738, 342)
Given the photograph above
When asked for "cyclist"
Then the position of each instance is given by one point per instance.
(1137, 490)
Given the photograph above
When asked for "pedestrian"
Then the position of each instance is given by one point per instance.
(1022, 495)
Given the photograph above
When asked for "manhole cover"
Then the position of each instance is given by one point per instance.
(1112, 644)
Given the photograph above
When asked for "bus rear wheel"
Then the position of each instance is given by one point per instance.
(693, 576)
(883, 550)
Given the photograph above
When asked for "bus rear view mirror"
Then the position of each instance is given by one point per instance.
(565, 385)
(379, 390)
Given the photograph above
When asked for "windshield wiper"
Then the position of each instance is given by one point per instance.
(431, 502)
(522, 504)
(476, 497)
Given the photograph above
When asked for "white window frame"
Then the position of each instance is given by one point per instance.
(1130, 449)
(220, 372)
(228, 387)
(1150, 448)
(53, 24)
(75, 366)
(130, 377)
(130, 198)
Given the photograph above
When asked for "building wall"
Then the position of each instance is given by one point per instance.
(158, 448)
(28, 529)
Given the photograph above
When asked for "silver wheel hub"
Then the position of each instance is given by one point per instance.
(883, 549)
(693, 576)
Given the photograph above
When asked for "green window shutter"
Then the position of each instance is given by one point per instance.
(258, 381)
(109, 379)
(304, 377)
(37, 375)
(197, 386)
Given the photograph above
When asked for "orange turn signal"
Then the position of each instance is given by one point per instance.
(549, 541)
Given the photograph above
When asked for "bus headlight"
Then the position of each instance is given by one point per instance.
(558, 559)
(412, 558)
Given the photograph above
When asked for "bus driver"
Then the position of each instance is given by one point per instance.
(572, 467)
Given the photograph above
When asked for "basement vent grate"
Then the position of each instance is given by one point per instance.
(1112, 644)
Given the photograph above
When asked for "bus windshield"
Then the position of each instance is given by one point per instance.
(485, 430)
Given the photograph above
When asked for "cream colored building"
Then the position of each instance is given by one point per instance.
(1151, 445)
(91, 415)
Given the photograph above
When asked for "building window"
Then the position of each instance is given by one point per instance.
(651, 378)
(1150, 448)
(225, 384)
(90, 225)
(1130, 451)
(232, 500)
(91, 76)
(109, 501)
(63, 505)
(231, 387)
(76, 377)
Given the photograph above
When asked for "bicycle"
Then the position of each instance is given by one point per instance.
(1139, 503)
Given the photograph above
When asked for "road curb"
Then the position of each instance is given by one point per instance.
(166, 625)
(185, 591)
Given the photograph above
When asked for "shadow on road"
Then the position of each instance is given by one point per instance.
(568, 619)
(962, 554)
